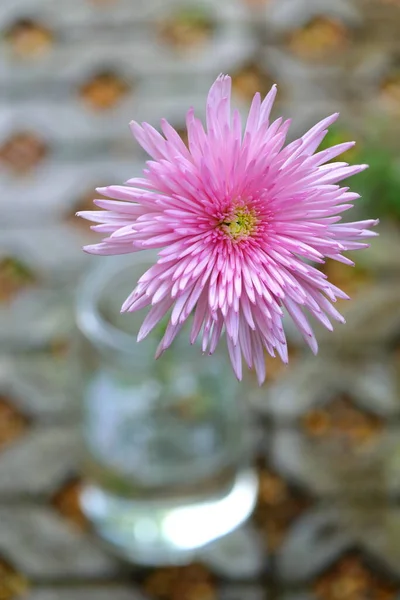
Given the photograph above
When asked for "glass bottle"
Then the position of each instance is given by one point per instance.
(167, 460)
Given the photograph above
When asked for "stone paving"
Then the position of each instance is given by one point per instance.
(72, 75)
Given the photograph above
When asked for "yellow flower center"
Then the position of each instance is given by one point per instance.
(239, 224)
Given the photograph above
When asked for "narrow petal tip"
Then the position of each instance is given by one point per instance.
(91, 249)
(274, 89)
(103, 190)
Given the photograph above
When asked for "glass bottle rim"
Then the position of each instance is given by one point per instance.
(90, 321)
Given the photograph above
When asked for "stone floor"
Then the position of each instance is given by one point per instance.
(72, 76)
(327, 521)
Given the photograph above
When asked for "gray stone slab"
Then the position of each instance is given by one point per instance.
(321, 536)
(243, 592)
(328, 468)
(306, 595)
(104, 592)
(239, 555)
(377, 531)
(373, 319)
(46, 387)
(54, 252)
(312, 382)
(116, 45)
(40, 200)
(316, 540)
(288, 14)
(40, 462)
(42, 545)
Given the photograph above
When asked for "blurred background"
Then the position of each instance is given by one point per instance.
(72, 76)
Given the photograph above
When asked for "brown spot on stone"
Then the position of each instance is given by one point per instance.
(350, 579)
(276, 368)
(13, 585)
(250, 79)
(14, 277)
(278, 506)
(319, 39)
(342, 421)
(182, 132)
(104, 91)
(352, 280)
(66, 501)
(193, 582)
(29, 40)
(85, 202)
(22, 152)
(13, 424)
(187, 28)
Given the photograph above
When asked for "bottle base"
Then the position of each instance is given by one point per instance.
(165, 532)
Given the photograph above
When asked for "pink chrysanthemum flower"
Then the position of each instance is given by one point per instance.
(238, 217)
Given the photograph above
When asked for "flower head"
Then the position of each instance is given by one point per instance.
(238, 218)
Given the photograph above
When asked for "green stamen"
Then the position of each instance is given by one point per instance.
(241, 224)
